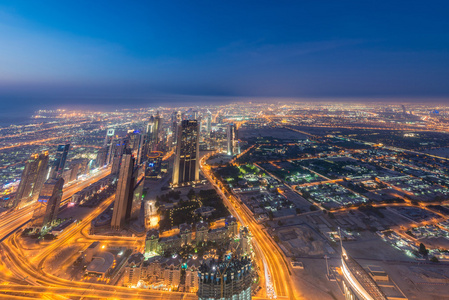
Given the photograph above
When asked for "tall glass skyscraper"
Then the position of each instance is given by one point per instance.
(60, 159)
(48, 203)
(33, 177)
(186, 167)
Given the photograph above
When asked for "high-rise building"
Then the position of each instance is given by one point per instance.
(33, 177)
(48, 203)
(231, 134)
(123, 194)
(176, 119)
(186, 166)
(245, 241)
(404, 111)
(149, 130)
(225, 280)
(117, 149)
(59, 163)
(108, 144)
(157, 127)
(129, 192)
(152, 134)
(209, 122)
(102, 156)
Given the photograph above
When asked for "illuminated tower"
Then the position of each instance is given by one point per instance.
(116, 156)
(124, 193)
(225, 280)
(102, 156)
(59, 162)
(149, 129)
(33, 177)
(152, 133)
(209, 122)
(108, 144)
(176, 119)
(231, 139)
(48, 203)
(136, 143)
(156, 128)
(186, 167)
(129, 192)
(245, 241)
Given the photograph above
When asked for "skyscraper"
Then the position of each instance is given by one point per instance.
(33, 177)
(48, 203)
(186, 167)
(152, 134)
(59, 162)
(102, 156)
(108, 144)
(156, 128)
(225, 280)
(231, 139)
(123, 194)
(149, 129)
(129, 192)
(116, 152)
(209, 122)
(176, 119)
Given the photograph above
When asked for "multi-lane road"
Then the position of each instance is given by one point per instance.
(277, 275)
(31, 270)
(15, 219)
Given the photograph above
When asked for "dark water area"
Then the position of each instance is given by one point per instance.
(19, 111)
(15, 115)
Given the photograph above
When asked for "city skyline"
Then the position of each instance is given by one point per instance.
(224, 150)
(259, 200)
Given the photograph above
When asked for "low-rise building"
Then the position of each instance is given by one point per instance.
(152, 241)
(201, 232)
(133, 269)
(186, 234)
(169, 244)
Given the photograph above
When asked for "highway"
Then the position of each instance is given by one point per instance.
(278, 270)
(15, 219)
(40, 283)
(43, 283)
(32, 271)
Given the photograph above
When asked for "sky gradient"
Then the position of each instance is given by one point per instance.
(107, 51)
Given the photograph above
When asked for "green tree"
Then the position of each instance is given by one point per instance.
(190, 194)
(422, 249)
(313, 207)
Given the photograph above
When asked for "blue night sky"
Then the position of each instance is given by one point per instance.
(107, 51)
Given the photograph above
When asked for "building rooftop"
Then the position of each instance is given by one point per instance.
(101, 263)
(362, 277)
(228, 268)
(136, 258)
(93, 245)
(152, 232)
